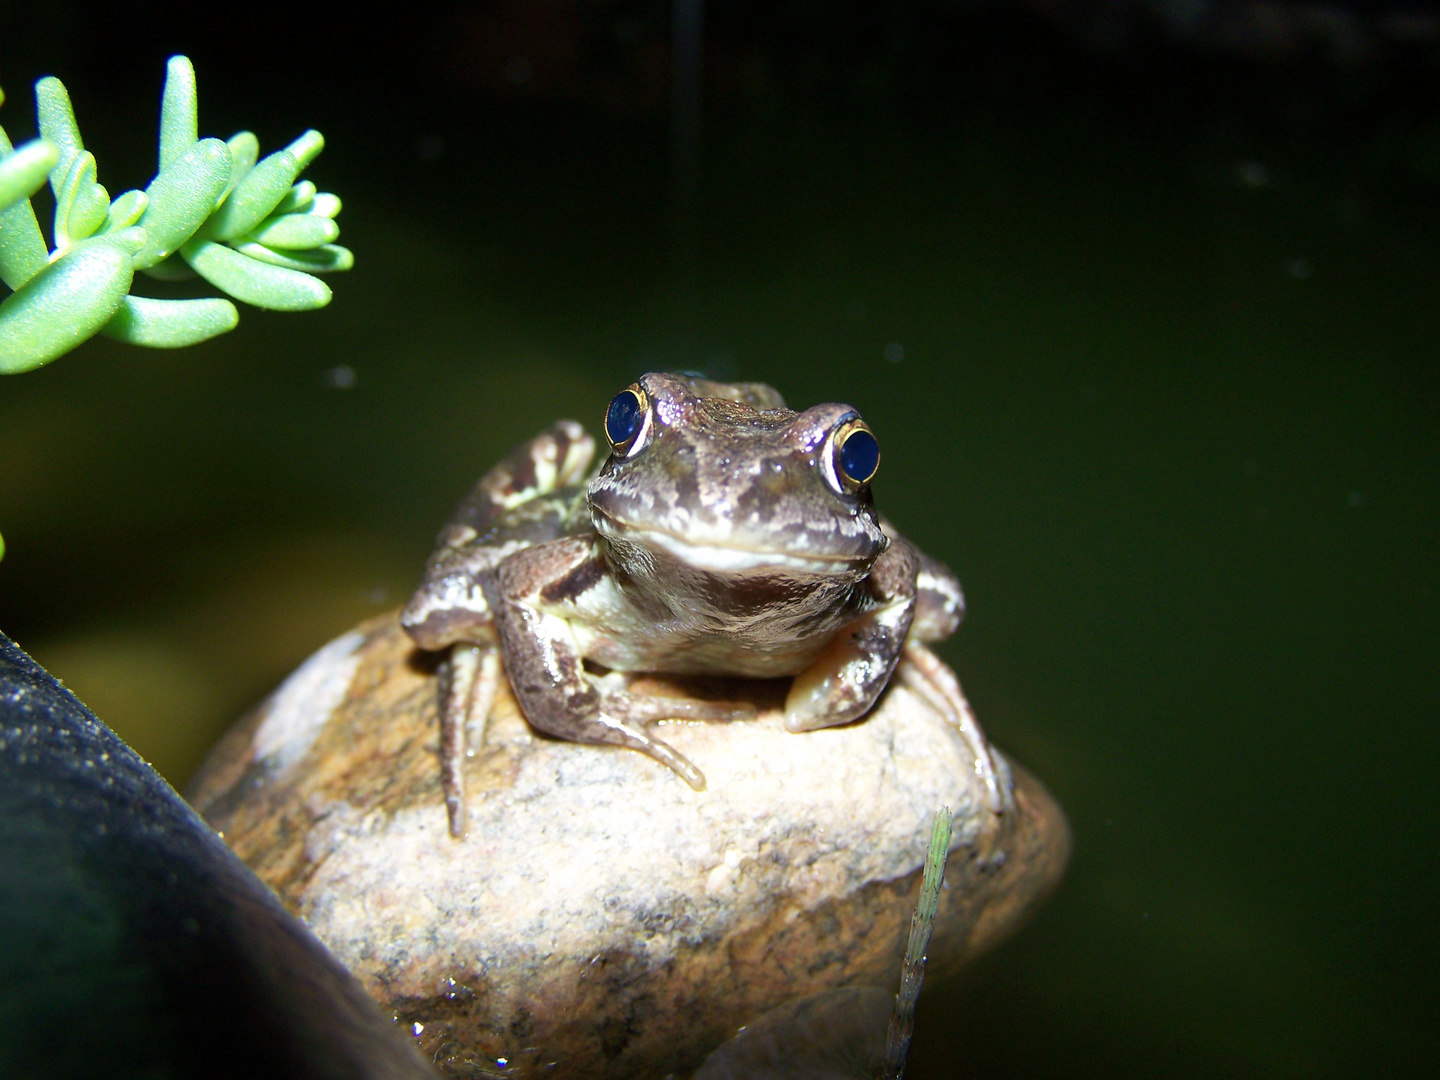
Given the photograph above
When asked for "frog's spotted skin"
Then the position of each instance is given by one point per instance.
(723, 535)
(532, 496)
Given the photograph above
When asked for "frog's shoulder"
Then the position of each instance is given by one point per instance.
(534, 494)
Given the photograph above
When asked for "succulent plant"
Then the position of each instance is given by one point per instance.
(248, 226)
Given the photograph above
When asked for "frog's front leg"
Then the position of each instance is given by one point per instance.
(847, 678)
(516, 503)
(536, 595)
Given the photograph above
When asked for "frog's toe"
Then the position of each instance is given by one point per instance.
(674, 760)
(644, 709)
(798, 721)
(616, 732)
(930, 677)
(687, 772)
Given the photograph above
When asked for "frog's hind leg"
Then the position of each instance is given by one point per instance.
(930, 677)
(469, 679)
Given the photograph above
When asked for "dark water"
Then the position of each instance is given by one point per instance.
(1149, 338)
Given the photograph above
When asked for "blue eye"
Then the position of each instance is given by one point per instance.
(859, 455)
(624, 418)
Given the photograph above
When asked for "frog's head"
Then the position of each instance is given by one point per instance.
(726, 479)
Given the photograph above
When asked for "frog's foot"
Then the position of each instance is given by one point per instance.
(930, 677)
(611, 729)
(469, 679)
(624, 716)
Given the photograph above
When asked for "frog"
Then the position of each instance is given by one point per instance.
(725, 534)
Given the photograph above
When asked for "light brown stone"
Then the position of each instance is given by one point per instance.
(602, 919)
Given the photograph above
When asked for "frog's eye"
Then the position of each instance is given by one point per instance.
(854, 456)
(626, 421)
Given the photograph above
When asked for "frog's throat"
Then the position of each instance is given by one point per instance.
(719, 559)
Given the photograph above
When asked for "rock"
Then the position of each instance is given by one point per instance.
(602, 919)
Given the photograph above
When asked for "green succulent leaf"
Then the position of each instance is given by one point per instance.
(262, 284)
(125, 210)
(82, 205)
(179, 115)
(175, 268)
(22, 248)
(128, 240)
(306, 149)
(326, 205)
(23, 171)
(326, 259)
(170, 324)
(275, 232)
(256, 196)
(296, 232)
(297, 200)
(244, 152)
(181, 198)
(65, 194)
(57, 123)
(63, 305)
(88, 213)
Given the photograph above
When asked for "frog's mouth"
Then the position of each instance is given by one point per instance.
(726, 559)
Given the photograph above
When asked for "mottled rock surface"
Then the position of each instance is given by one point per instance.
(602, 919)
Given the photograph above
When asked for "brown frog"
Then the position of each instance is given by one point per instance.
(725, 534)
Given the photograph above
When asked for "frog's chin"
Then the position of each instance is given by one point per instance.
(720, 559)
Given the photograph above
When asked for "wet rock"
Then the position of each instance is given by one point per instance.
(602, 919)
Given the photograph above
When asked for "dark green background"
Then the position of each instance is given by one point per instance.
(1168, 402)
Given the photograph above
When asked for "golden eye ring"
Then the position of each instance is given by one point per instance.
(627, 419)
(854, 456)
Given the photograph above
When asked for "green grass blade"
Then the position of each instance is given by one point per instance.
(922, 924)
